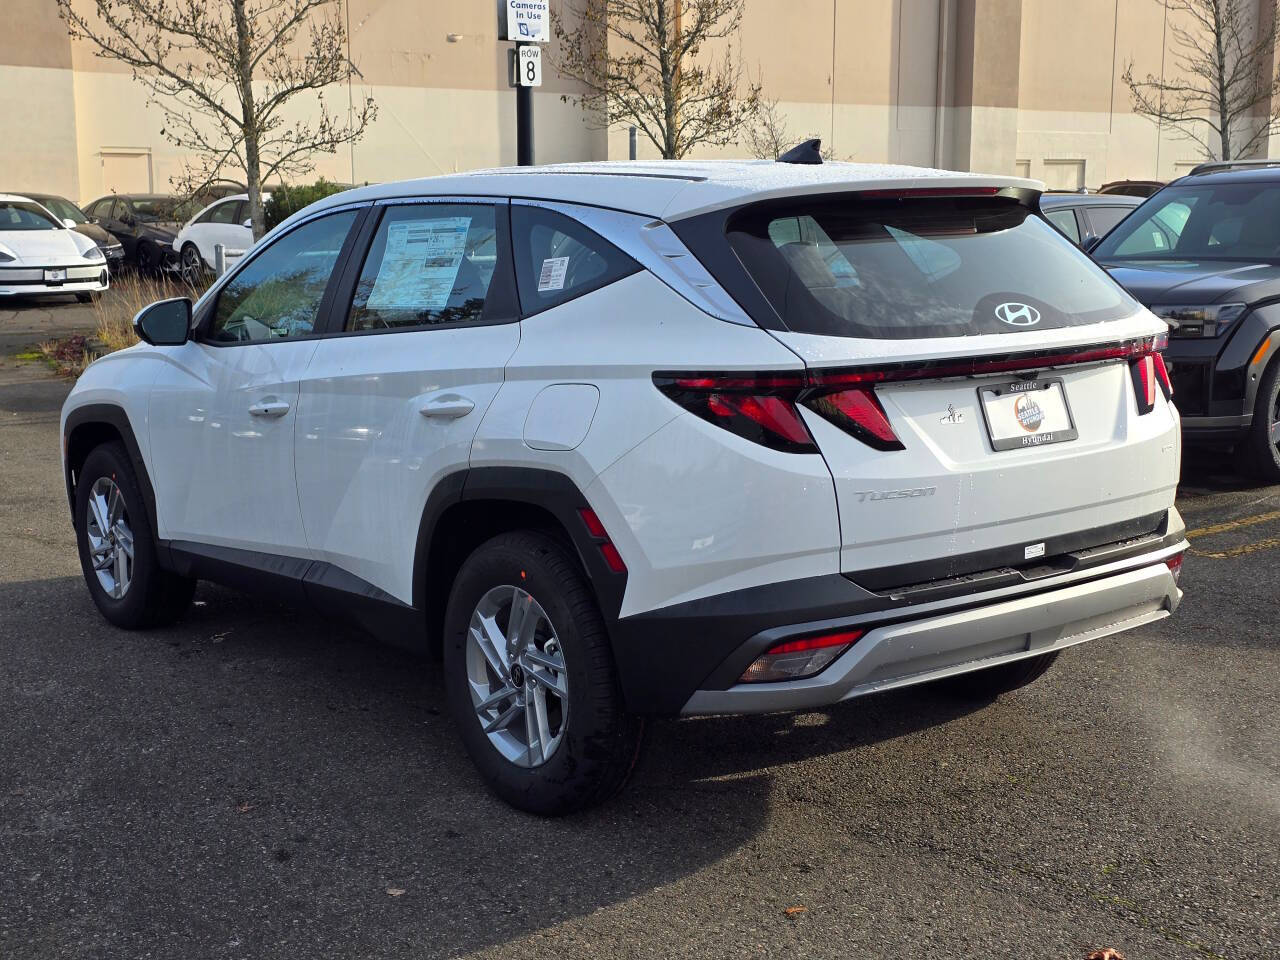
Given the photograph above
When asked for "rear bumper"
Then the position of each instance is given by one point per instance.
(931, 647)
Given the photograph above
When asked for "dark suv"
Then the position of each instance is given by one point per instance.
(1204, 254)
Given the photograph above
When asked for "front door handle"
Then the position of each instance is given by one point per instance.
(269, 408)
(447, 406)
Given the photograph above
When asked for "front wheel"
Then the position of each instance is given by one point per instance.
(88, 297)
(117, 549)
(1259, 452)
(192, 265)
(531, 681)
(991, 682)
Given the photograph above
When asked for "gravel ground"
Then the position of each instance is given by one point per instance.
(256, 783)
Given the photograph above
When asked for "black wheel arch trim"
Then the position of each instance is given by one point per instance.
(114, 416)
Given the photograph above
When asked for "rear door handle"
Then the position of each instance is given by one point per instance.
(447, 406)
(269, 408)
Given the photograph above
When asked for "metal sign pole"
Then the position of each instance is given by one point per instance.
(524, 119)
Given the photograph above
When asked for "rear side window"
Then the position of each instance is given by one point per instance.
(429, 264)
(897, 269)
(557, 258)
(1065, 220)
(1104, 219)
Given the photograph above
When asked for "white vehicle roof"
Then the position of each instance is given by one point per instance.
(674, 189)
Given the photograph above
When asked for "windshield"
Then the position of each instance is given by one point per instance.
(162, 208)
(896, 269)
(63, 209)
(1228, 221)
(24, 215)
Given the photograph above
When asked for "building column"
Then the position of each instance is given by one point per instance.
(982, 102)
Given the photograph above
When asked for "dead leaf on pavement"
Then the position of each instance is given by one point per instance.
(1106, 953)
(397, 892)
(792, 911)
(244, 807)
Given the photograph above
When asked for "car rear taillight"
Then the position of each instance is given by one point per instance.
(757, 406)
(797, 659)
(858, 412)
(1150, 374)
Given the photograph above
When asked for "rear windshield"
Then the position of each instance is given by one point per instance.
(897, 269)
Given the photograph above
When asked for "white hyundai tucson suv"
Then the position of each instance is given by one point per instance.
(628, 439)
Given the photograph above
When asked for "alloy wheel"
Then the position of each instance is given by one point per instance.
(1275, 422)
(110, 537)
(192, 267)
(517, 676)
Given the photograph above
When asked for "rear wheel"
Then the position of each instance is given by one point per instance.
(1259, 453)
(531, 681)
(993, 681)
(117, 547)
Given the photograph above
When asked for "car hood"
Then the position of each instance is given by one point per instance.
(96, 234)
(44, 246)
(159, 229)
(1189, 282)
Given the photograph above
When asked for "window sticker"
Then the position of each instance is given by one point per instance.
(420, 264)
(552, 275)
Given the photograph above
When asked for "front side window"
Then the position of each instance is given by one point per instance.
(1104, 219)
(1224, 221)
(936, 267)
(428, 264)
(224, 212)
(277, 294)
(63, 209)
(557, 258)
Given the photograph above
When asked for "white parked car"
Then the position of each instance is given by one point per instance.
(224, 221)
(629, 439)
(41, 254)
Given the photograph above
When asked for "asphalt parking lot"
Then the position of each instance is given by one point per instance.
(258, 783)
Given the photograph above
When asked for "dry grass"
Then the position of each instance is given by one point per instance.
(113, 312)
(129, 293)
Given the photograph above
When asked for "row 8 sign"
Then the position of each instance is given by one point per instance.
(527, 20)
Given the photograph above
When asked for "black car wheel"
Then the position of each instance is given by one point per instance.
(1259, 453)
(148, 259)
(88, 297)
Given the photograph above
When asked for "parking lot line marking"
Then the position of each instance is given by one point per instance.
(1239, 551)
(1233, 524)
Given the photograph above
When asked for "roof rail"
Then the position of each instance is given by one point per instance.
(1216, 166)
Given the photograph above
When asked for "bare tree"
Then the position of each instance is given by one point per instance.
(1224, 82)
(641, 62)
(768, 135)
(222, 72)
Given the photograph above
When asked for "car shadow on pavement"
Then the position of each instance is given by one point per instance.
(296, 774)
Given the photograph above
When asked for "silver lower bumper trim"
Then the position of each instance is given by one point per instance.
(918, 651)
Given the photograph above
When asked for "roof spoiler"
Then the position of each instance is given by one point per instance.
(807, 153)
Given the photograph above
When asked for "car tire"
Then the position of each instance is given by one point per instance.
(147, 260)
(992, 682)
(191, 265)
(1258, 454)
(595, 742)
(135, 593)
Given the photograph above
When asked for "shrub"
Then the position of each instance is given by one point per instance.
(286, 201)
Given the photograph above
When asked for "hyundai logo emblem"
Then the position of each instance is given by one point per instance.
(1017, 314)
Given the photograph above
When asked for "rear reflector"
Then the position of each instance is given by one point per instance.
(1175, 566)
(612, 558)
(1162, 376)
(797, 659)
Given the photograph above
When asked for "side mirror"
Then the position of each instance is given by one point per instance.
(248, 223)
(127, 219)
(165, 323)
(1088, 243)
(68, 223)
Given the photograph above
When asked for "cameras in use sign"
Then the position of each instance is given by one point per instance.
(528, 20)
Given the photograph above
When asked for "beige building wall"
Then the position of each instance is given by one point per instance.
(1009, 86)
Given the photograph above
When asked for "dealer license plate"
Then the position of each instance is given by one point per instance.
(1026, 413)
